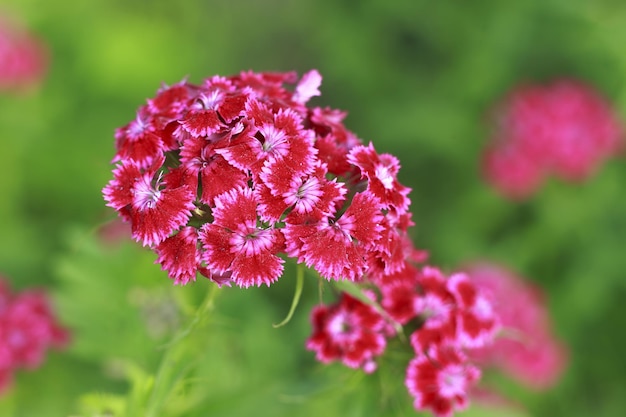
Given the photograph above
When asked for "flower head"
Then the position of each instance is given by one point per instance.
(244, 167)
(564, 128)
(349, 331)
(439, 380)
(528, 349)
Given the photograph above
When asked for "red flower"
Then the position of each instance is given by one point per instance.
(338, 249)
(139, 141)
(311, 194)
(438, 312)
(454, 312)
(350, 331)
(334, 141)
(235, 243)
(381, 171)
(179, 255)
(202, 166)
(155, 210)
(401, 294)
(439, 380)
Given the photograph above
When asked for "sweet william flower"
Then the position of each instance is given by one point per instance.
(235, 243)
(381, 171)
(454, 312)
(477, 321)
(153, 209)
(450, 316)
(249, 143)
(349, 331)
(23, 57)
(28, 329)
(180, 256)
(439, 380)
(334, 141)
(438, 312)
(338, 248)
(527, 350)
(564, 128)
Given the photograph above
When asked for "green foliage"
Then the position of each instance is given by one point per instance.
(417, 78)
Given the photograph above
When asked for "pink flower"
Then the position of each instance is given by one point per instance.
(28, 328)
(312, 195)
(477, 322)
(349, 331)
(438, 312)
(528, 350)
(513, 172)
(439, 380)
(23, 57)
(308, 87)
(448, 311)
(565, 128)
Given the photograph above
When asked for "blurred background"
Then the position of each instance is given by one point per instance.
(417, 79)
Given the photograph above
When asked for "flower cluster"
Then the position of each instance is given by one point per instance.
(528, 351)
(450, 316)
(224, 177)
(23, 58)
(565, 128)
(229, 177)
(28, 328)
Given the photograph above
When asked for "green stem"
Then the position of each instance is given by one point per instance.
(296, 296)
(206, 306)
(166, 376)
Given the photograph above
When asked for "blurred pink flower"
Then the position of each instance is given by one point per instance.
(564, 128)
(23, 57)
(28, 328)
(527, 350)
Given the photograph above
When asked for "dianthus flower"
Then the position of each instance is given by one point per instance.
(528, 351)
(28, 328)
(564, 128)
(225, 177)
(230, 177)
(450, 310)
(439, 380)
(23, 57)
(449, 316)
(350, 331)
